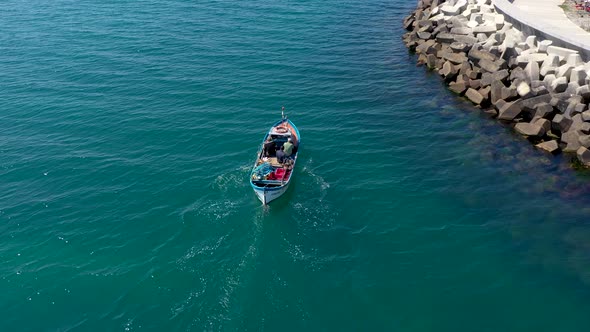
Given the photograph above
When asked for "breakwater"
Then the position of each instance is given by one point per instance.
(541, 89)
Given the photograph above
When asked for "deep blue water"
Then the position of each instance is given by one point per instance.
(127, 133)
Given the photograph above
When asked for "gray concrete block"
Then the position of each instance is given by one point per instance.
(563, 53)
(544, 123)
(560, 123)
(474, 96)
(574, 60)
(489, 66)
(531, 41)
(496, 91)
(532, 71)
(564, 71)
(485, 29)
(529, 129)
(543, 110)
(583, 155)
(549, 146)
(458, 87)
(550, 65)
(548, 80)
(499, 21)
(509, 111)
(509, 93)
(523, 89)
(461, 31)
(578, 75)
(543, 45)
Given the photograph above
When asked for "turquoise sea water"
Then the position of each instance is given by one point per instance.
(128, 129)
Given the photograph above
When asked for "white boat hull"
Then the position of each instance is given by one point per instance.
(267, 195)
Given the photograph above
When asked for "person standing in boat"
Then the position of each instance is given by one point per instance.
(281, 154)
(269, 147)
(288, 147)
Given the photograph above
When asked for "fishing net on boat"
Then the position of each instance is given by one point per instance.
(262, 170)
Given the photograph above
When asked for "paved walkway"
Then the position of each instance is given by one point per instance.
(545, 17)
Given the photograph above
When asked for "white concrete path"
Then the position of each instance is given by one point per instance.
(546, 16)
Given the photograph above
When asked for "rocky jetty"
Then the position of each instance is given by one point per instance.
(542, 89)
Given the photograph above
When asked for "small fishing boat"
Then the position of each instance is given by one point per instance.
(275, 162)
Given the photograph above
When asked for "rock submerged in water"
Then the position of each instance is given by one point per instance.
(543, 88)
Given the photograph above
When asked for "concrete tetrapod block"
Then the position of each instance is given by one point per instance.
(469, 40)
(548, 80)
(474, 84)
(559, 84)
(427, 47)
(550, 65)
(461, 31)
(472, 24)
(458, 21)
(531, 41)
(572, 139)
(543, 45)
(489, 18)
(539, 58)
(578, 75)
(474, 96)
(572, 87)
(539, 91)
(485, 29)
(477, 55)
(454, 58)
(543, 110)
(458, 87)
(584, 91)
(431, 61)
(459, 47)
(496, 91)
(574, 60)
(518, 74)
(523, 89)
(544, 123)
(584, 127)
(549, 146)
(449, 10)
(586, 115)
(448, 70)
(580, 108)
(499, 21)
(509, 111)
(532, 71)
(489, 66)
(563, 53)
(564, 71)
(424, 35)
(583, 156)
(481, 37)
(560, 123)
(509, 93)
(485, 92)
(445, 37)
(529, 129)
(477, 18)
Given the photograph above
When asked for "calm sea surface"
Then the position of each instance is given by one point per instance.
(127, 133)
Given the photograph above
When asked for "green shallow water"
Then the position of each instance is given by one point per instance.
(128, 133)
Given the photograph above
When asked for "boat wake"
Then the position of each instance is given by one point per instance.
(316, 180)
(223, 254)
(232, 180)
